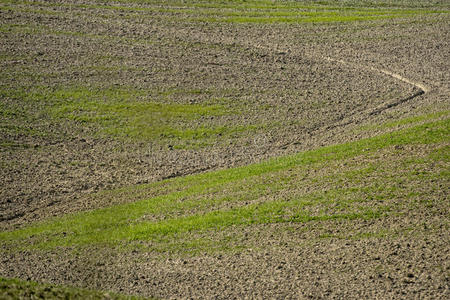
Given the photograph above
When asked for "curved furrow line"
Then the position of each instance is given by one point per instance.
(422, 89)
(389, 73)
(344, 121)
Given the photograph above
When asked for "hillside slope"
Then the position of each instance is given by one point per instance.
(226, 149)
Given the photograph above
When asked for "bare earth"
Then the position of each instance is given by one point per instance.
(301, 86)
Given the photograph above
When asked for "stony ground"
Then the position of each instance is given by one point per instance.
(95, 98)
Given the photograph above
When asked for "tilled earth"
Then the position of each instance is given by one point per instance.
(337, 268)
(292, 87)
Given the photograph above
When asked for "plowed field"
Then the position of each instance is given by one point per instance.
(224, 149)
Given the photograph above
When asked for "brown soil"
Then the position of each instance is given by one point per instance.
(288, 261)
(311, 84)
(279, 75)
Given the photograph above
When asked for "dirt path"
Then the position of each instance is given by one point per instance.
(420, 86)
(422, 89)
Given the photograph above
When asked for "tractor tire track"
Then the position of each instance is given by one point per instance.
(422, 89)
(360, 116)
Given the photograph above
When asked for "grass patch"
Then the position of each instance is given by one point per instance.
(22, 28)
(125, 114)
(254, 190)
(20, 289)
(405, 121)
(15, 122)
(135, 115)
(258, 11)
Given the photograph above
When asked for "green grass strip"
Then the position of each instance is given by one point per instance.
(248, 11)
(122, 222)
